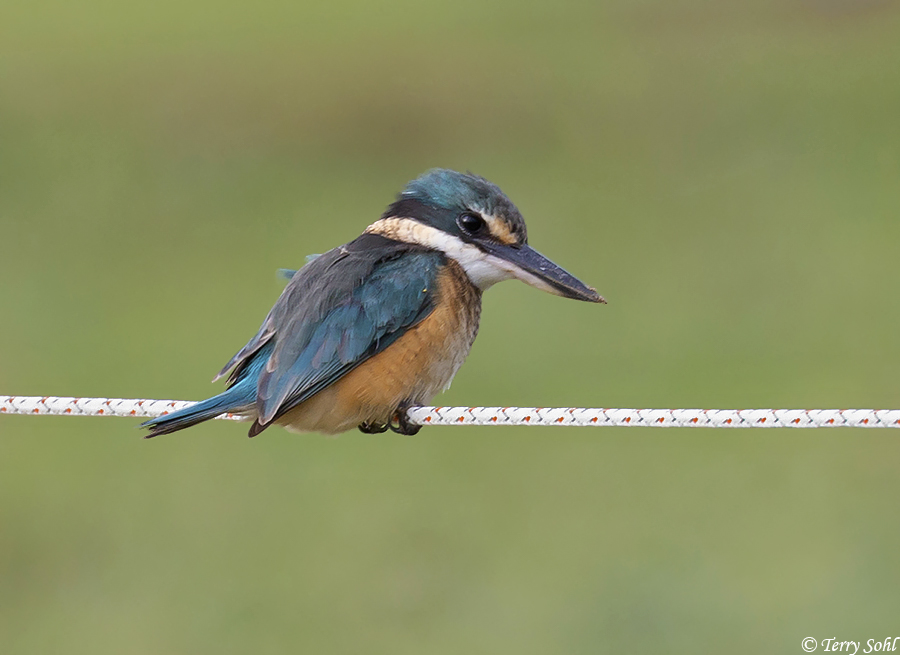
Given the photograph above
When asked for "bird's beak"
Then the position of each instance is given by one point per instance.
(534, 269)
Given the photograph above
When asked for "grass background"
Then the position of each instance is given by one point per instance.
(725, 173)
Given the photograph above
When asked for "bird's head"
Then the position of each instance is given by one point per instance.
(473, 222)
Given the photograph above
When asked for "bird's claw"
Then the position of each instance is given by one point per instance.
(400, 422)
(373, 428)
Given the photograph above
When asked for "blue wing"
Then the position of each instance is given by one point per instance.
(337, 311)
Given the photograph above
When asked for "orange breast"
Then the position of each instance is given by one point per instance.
(420, 364)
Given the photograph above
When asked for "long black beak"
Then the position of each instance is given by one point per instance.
(533, 268)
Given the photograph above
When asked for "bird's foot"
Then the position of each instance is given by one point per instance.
(400, 422)
(372, 428)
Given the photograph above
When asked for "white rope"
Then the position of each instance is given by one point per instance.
(564, 416)
(62, 406)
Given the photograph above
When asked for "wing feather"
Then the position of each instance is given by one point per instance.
(337, 311)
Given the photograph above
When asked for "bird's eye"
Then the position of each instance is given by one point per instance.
(470, 223)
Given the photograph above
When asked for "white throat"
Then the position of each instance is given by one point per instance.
(483, 270)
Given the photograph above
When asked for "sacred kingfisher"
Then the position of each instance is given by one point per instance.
(380, 324)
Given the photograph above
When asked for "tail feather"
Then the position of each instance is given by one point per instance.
(236, 399)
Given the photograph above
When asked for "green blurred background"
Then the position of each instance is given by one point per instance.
(727, 174)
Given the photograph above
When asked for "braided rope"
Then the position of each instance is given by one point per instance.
(563, 416)
(62, 406)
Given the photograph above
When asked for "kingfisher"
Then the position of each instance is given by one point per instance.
(378, 325)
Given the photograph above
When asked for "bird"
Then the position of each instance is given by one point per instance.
(371, 328)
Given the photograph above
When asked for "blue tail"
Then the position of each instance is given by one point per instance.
(238, 398)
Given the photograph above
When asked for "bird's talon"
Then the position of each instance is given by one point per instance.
(372, 428)
(400, 423)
